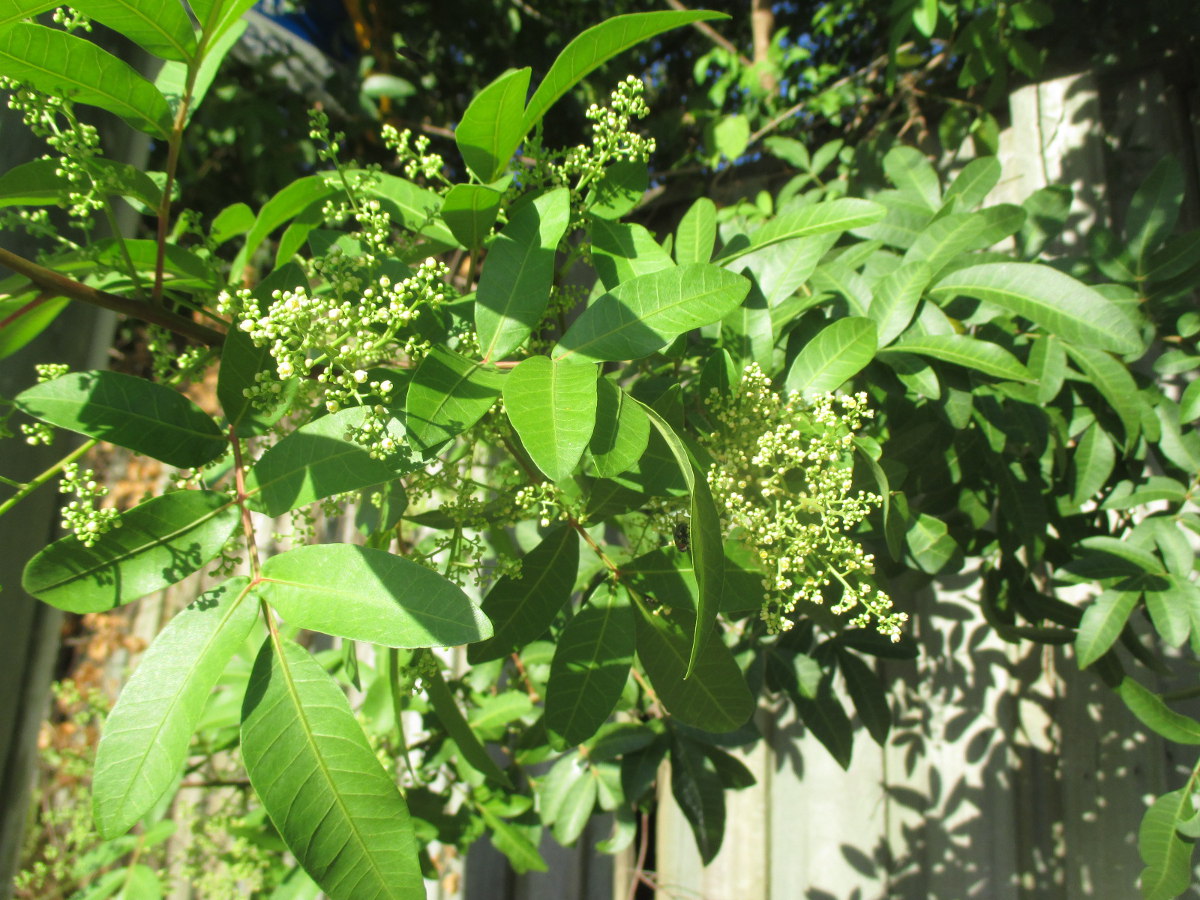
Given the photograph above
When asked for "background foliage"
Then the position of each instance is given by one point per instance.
(542, 431)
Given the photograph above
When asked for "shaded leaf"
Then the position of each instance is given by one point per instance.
(622, 430)
(700, 795)
(451, 717)
(521, 608)
(969, 352)
(469, 211)
(447, 395)
(590, 667)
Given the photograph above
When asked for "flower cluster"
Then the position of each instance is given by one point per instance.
(340, 340)
(81, 515)
(783, 475)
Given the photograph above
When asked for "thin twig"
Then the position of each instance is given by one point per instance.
(713, 35)
(60, 286)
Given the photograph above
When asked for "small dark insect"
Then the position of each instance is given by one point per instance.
(682, 537)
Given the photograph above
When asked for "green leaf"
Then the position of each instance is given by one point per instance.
(834, 355)
(413, 206)
(697, 789)
(161, 27)
(619, 190)
(646, 313)
(1154, 714)
(1046, 297)
(895, 299)
(552, 407)
(521, 608)
(825, 718)
(469, 211)
(575, 808)
(930, 543)
(974, 182)
(1102, 624)
(1093, 460)
(590, 667)
(868, 695)
(943, 239)
(12, 11)
(696, 233)
(707, 547)
(158, 543)
(473, 752)
(596, 46)
(492, 126)
(622, 251)
(816, 218)
(1112, 379)
(780, 269)
(147, 734)
(622, 430)
(910, 171)
(447, 395)
(370, 595)
(32, 322)
(1168, 857)
(320, 782)
(219, 16)
(55, 62)
(969, 352)
(286, 204)
(515, 286)
(131, 412)
(172, 78)
(1189, 403)
(1153, 211)
(714, 696)
(317, 461)
(34, 183)
(730, 134)
(521, 852)
(1171, 608)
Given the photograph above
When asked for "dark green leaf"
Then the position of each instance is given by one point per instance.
(469, 211)
(448, 394)
(448, 713)
(828, 722)
(622, 430)
(521, 608)
(335, 807)
(317, 461)
(1154, 210)
(1112, 379)
(370, 595)
(159, 26)
(590, 667)
(969, 352)
(131, 412)
(158, 543)
(700, 795)
(714, 696)
(868, 695)
(1102, 624)
(147, 734)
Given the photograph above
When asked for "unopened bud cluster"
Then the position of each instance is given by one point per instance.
(612, 137)
(413, 154)
(784, 477)
(81, 515)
